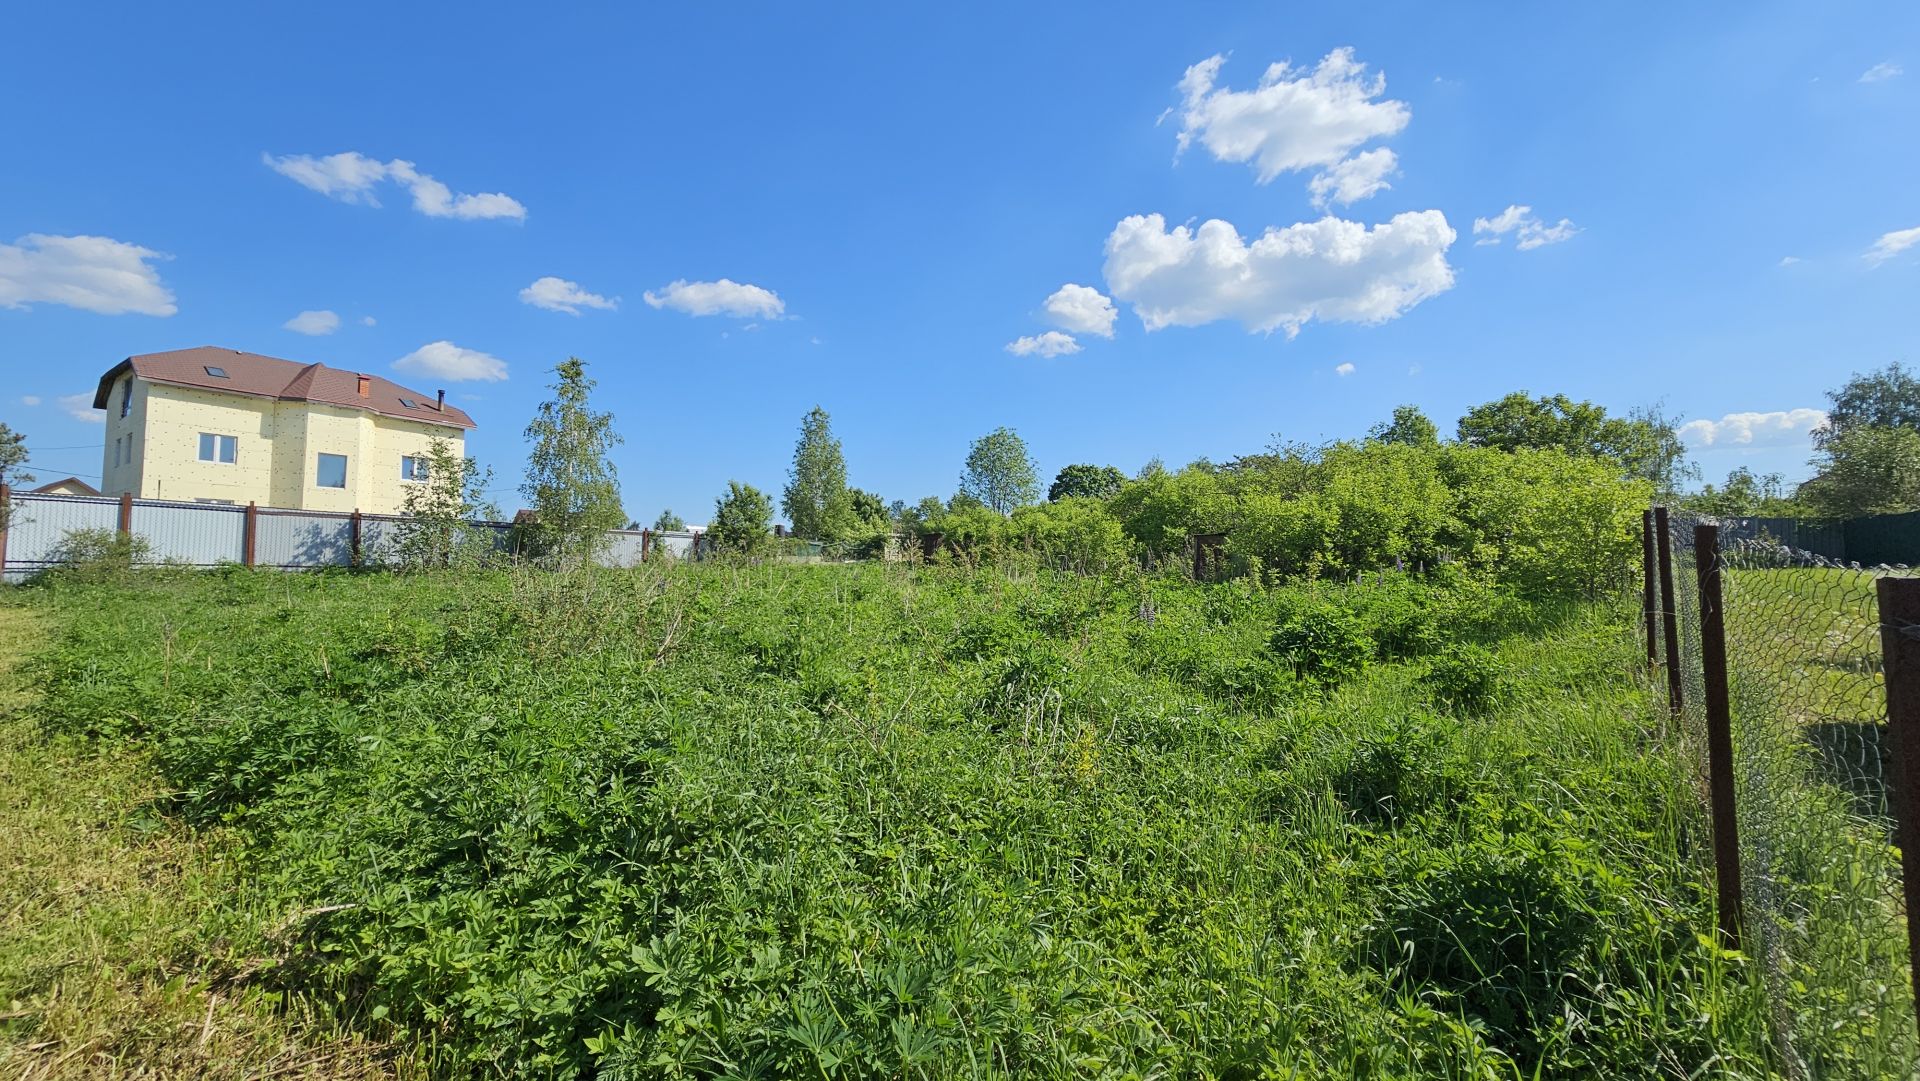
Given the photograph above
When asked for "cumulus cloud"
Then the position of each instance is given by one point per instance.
(315, 323)
(1294, 120)
(367, 320)
(561, 295)
(724, 297)
(1082, 309)
(1881, 72)
(445, 360)
(30, 400)
(1354, 179)
(1788, 260)
(1528, 230)
(1049, 344)
(352, 177)
(1332, 270)
(80, 407)
(92, 273)
(1343, 369)
(1888, 246)
(1780, 428)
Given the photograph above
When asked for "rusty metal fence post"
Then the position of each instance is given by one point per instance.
(1899, 600)
(1719, 710)
(1670, 612)
(353, 538)
(250, 528)
(125, 524)
(1650, 592)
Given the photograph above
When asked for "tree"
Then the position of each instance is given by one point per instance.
(816, 497)
(571, 484)
(1745, 494)
(1645, 443)
(868, 510)
(741, 519)
(13, 454)
(999, 472)
(669, 522)
(436, 530)
(1086, 481)
(1888, 398)
(1865, 470)
(1409, 427)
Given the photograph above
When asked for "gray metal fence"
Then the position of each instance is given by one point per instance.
(34, 530)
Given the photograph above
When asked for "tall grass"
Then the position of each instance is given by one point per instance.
(865, 821)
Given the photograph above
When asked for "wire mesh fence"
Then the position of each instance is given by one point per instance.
(1819, 888)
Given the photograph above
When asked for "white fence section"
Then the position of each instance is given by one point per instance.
(208, 535)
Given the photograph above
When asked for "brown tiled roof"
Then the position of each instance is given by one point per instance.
(270, 377)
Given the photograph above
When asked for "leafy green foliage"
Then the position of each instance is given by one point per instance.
(13, 454)
(1865, 470)
(816, 500)
(435, 530)
(98, 555)
(1409, 427)
(1744, 494)
(1645, 443)
(1086, 482)
(570, 481)
(1887, 398)
(669, 521)
(879, 821)
(1000, 473)
(742, 519)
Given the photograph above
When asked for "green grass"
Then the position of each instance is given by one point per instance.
(104, 967)
(861, 821)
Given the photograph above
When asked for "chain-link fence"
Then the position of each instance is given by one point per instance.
(1788, 664)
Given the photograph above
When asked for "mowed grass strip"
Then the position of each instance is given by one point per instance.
(106, 968)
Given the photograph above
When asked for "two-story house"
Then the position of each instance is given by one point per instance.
(214, 425)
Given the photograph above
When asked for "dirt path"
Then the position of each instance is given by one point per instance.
(103, 972)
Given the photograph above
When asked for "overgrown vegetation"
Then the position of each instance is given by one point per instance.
(707, 820)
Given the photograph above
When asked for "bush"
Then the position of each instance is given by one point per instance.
(1467, 679)
(1325, 644)
(92, 555)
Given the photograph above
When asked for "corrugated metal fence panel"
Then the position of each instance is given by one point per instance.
(379, 540)
(42, 522)
(679, 544)
(622, 548)
(198, 534)
(1884, 538)
(302, 539)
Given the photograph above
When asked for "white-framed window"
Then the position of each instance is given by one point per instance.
(218, 448)
(413, 468)
(330, 471)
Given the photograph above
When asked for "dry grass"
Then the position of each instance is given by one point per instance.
(107, 966)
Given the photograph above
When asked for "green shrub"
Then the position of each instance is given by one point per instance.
(1467, 679)
(98, 555)
(1325, 644)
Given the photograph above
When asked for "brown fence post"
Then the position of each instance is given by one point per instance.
(1713, 665)
(126, 513)
(6, 508)
(1649, 590)
(249, 528)
(353, 538)
(646, 544)
(1670, 611)
(1900, 651)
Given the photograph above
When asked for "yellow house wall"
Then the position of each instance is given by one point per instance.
(277, 452)
(124, 478)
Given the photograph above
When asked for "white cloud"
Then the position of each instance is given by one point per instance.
(1789, 260)
(445, 360)
(366, 320)
(1295, 119)
(561, 295)
(1354, 179)
(351, 177)
(315, 323)
(80, 407)
(30, 400)
(1343, 369)
(92, 273)
(1881, 72)
(1779, 428)
(1050, 344)
(1888, 246)
(724, 297)
(1082, 309)
(1332, 270)
(1528, 230)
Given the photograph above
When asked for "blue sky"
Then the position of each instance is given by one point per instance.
(874, 205)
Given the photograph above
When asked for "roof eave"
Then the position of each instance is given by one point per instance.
(105, 391)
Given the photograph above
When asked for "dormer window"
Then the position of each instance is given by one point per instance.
(409, 403)
(216, 372)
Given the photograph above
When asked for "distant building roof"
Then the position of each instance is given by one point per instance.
(69, 486)
(230, 371)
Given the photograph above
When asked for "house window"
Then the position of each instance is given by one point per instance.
(216, 372)
(116, 452)
(126, 397)
(218, 448)
(413, 469)
(331, 472)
